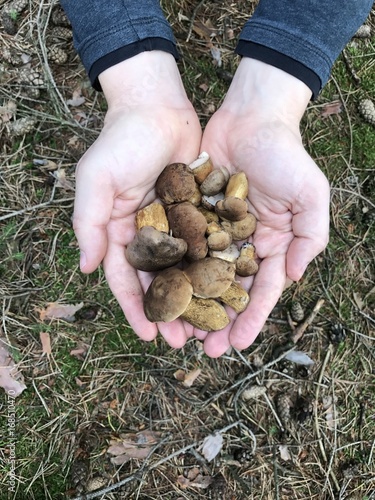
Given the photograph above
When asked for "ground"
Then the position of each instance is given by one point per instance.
(288, 430)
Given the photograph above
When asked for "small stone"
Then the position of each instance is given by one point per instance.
(367, 109)
(296, 311)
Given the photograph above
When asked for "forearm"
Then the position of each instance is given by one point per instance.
(108, 33)
(302, 38)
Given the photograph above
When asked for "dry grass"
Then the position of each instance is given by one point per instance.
(322, 416)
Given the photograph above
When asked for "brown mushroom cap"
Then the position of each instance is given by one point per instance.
(152, 250)
(210, 277)
(215, 181)
(240, 230)
(217, 238)
(175, 184)
(231, 208)
(188, 223)
(206, 314)
(168, 296)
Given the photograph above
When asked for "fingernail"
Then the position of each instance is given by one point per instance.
(82, 260)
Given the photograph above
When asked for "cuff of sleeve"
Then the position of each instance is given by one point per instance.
(281, 61)
(127, 52)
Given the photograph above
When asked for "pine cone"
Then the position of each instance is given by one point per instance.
(363, 31)
(10, 55)
(59, 17)
(31, 92)
(29, 76)
(22, 126)
(296, 311)
(9, 25)
(15, 7)
(57, 55)
(78, 475)
(61, 33)
(367, 109)
(253, 392)
(96, 483)
(283, 405)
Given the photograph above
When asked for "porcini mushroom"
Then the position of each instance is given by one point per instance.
(215, 181)
(237, 186)
(217, 237)
(234, 206)
(152, 215)
(230, 254)
(175, 184)
(242, 229)
(201, 167)
(152, 250)
(168, 296)
(210, 277)
(246, 264)
(235, 297)
(206, 314)
(186, 222)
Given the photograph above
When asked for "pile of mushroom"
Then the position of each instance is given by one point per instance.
(201, 214)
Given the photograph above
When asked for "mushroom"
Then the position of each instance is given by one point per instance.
(206, 314)
(209, 202)
(152, 250)
(196, 198)
(217, 238)
(210, 277)
(230, 254)
(152, 215)
(215, 181)
(175, 184)
(186, 222)
(246, 264)
(235, 297)
(201, 167)
(168, 296)
(242, 229)
(234, 206)
(208, 214)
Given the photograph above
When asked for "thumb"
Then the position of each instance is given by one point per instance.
(92, 210)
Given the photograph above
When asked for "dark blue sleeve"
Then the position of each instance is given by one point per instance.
(302, 38)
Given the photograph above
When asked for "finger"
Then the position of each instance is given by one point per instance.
(126, 287)
(92, 209)
(217, 343)
(174, 333)
(264, 294)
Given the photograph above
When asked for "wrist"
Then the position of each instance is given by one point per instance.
(259, 89)
(146, 79)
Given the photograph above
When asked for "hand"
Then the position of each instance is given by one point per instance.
(149, 124)
(257, 130)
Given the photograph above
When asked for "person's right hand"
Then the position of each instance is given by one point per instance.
(149, 124)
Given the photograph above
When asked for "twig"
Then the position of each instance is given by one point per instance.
(350, 68)
(300, 330)
(144, 469)
(35, 207)
(195, 11)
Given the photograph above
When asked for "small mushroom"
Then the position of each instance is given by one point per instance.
(152, 250)
(237, 186)
(236, 297)
(231, 208)
(209, 202)
(215, 181)
(168, 296)
(208, 214)
(175, 184)
(230, 254)
(242, 229)
(210, 277)
(186, 222)
(246, 264)
(206, 314)
(217, 238)
(152, 215)
(201, 167)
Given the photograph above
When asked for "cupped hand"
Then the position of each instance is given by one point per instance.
(149, 124)
(288, 193)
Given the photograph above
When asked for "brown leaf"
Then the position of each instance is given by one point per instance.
(200, 481)
(284, 452)
(46, 342)
(62, 181)
(11, 380)
(77, 99)
(80, 352)
(332, 108)
(132, 445)
(191, 377)
(55, 310)
(7, 111)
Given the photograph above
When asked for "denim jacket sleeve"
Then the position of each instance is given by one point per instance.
(302, 38)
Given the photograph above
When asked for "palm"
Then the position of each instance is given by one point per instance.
(114, 179)
(288, 194)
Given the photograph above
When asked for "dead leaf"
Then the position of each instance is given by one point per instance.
(8, 111)
(55, 310)
(200, 481)
(11, 380)
(191, 377)
(204, 87)
(204, 30)
(179, 375)
(330, 412)
(46, 342)
(80, 351)
(45, 164)
(332, 108)
(211, 446)
(216, 55)
(359, 302)
(131, 445)
(284, 452)
(62, 181)
(77, 99)
(299, 358)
